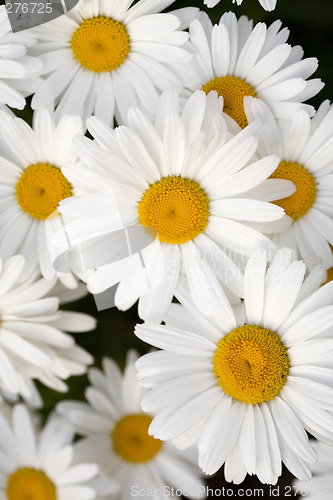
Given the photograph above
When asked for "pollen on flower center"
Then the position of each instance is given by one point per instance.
(131, 440)
(100, 44)
(251, 364)
(40, 189)
(233, 90)
(30, 484)
(176, 208)
(299, 203)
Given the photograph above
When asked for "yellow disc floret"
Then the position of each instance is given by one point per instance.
(131, 440)
(100, 44)
(233, 90)
(299, 203)
(251, 364)
(176, 208)
(40, 189)
(30, 484)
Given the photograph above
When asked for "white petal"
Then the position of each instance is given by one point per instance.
(215, 446)
(24, 435)
(290, 427)
(176, 419)
(171, 392)
(175, 340)
(205, 288)
(281, 294)
(254, 279)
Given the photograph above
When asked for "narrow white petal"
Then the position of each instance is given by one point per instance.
(215, 447)
(175, 340)
(254, 279)
(292, 430)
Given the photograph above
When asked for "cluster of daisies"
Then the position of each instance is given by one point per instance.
(177, 165)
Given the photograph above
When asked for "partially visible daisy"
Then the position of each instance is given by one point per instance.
(103, 57)
(116, 436)
(304, 146)
(183, 180)
(247, 383)
(266, 4)
(33, 344)
(237, 60)
(19, 72)
(32, 185)
(320, 487)
(38, 464)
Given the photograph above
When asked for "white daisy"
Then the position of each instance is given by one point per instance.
(33, 344)
(105, 56)
(237, 60)
(320, 487)
(39, 464)
(266, 4)
(246, 384)
(32, 185)
(18, 71)
(304, 146)
(116, 436)
(186, 180)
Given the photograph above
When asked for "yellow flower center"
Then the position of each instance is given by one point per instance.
(30, 484)
(100, 44)
(233, 90)
(176, 208)
(299, 203)
(131, 440)
(40, 189)
(251, 364)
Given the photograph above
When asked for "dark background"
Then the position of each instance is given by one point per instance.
(311, 26)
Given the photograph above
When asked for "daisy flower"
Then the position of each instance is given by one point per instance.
(18, 71)
(104, 56)
(116, 436)
(184, 181)
(38, 463)
(32, 185)
(266, 4)
(33, 344)
(237, 60)
(304, 146)
(247, 383)
(320, 487)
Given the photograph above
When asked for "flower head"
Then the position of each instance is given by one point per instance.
(115, 431)
(238, 60)
(246, 383)
(32, 184)
(303, 145)
(33, 344)
(107, 56)
(39, 463)
(185, 182)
